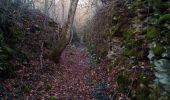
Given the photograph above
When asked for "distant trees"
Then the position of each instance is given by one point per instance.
(18, 3)
(104, 1)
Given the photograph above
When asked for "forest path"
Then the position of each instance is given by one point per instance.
(75, 67)
(82, 78)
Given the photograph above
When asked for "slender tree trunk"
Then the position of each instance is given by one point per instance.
(46, 7)
(33, 4)
(66, 32)
(63, 12)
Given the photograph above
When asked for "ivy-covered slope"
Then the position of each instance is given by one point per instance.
(22, 33)
(141, 31)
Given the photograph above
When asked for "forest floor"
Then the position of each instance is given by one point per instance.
(74, 78)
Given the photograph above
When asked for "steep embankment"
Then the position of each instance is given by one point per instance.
(36, 76)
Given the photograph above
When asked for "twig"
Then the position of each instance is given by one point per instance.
(131, 85)
(21, 80)
(112, 97)
(130, 89)
(41, 55)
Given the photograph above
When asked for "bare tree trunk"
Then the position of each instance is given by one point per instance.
(66, 32)
(33, 4)
(46, 7)
(63, 12)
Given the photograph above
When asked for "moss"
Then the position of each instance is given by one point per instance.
(131, 43)
(151, 33)
(129, 52)
(53, 98)
(157, 49)
(128, 35)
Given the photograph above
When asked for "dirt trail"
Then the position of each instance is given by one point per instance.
(74, 67)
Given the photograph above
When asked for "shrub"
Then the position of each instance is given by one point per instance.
(10, 37)
(5, 56)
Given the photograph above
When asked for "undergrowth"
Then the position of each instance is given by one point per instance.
(10, 38)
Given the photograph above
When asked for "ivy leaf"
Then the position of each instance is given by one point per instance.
(164, 18)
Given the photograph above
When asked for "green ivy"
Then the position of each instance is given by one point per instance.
(6, 53)
(165, 17)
